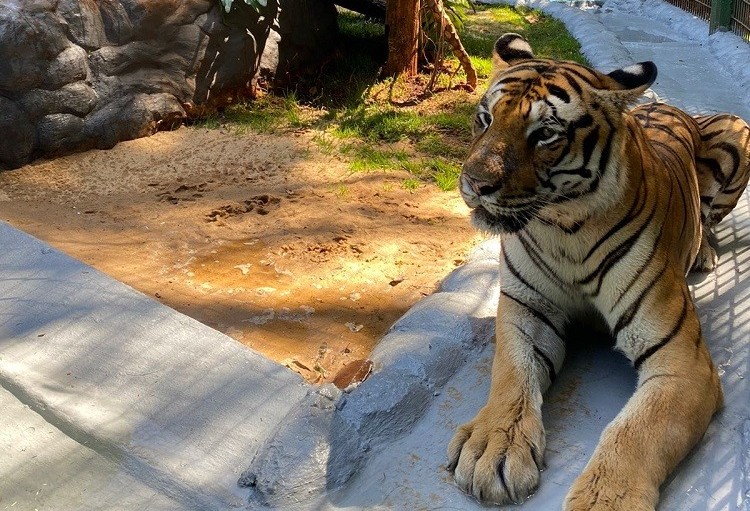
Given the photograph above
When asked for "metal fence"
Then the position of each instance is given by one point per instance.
(740, 24)
(731, 15)
(700, 8)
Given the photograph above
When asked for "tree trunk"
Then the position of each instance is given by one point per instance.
(402, 29)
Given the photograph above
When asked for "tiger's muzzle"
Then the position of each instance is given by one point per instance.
(473, 189)
(492, 212)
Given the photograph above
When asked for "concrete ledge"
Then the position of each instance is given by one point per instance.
(170, 402)
(40, 460)
(731, 53)
(323, 444)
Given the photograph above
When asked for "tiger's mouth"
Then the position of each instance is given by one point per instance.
(502, 223)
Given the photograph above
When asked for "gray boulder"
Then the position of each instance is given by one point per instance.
(19, 135)
(77, 74)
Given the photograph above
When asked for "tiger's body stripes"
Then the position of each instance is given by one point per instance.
(602, 210)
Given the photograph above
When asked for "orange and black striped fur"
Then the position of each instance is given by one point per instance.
(605, 209)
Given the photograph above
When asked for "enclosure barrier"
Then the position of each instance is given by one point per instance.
(721, 15)
(740, 22)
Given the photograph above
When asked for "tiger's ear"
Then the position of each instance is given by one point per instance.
(630, 82)
(509, 49)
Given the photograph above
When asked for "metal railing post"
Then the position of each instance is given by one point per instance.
(721, 15)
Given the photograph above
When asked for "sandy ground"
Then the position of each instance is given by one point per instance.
(259, 236)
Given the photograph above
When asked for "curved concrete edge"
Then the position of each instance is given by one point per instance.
(731, 52)
(170, 406)
(320, 445)
(600, 46)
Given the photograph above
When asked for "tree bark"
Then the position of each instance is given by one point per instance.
(402, 28)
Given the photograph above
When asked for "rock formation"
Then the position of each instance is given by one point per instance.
(81, 74)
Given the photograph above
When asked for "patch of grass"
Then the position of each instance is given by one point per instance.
(211, 122)
(388, 125)
(438, 145)
(456, 120)
(291, 110)
(550, 39)
(356, 26)
(269, 114)
(341, 191)
(444, 173)
(324, 143)
(547, 36)
(368, 157)
(410, 183)
(482, 65)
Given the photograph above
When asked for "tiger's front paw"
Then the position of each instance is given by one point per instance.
(497, 458)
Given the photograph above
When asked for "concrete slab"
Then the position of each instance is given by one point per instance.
(675, 55)
(45, 470)
(173, 403)
(730, 53)
(679, 84)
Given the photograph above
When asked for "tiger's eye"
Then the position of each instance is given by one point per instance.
(543, 135)
(546, 133)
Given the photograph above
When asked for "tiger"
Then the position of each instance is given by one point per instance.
(602, 209)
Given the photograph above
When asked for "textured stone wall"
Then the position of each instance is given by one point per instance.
(81, 74)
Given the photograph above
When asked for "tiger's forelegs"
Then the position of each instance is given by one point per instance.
(498, 455)
(678, 392)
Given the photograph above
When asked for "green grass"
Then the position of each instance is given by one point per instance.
(211, 122)
(354, 27)
(324, 142)
(353, 114)
(367, 158)
(457, 119)
(270, 114)
(410, 183)
(444, 173)
(373, 124)
(438, 145)
(547, 36)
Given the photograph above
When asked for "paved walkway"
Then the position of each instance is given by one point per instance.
(109, 400)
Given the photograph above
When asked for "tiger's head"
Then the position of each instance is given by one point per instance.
(545, 134)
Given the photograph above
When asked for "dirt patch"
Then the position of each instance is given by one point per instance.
(259, 236)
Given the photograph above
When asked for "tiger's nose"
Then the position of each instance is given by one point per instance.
(473, 189)
(478, 187)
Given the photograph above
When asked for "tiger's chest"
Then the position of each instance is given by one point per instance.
(576, 272)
